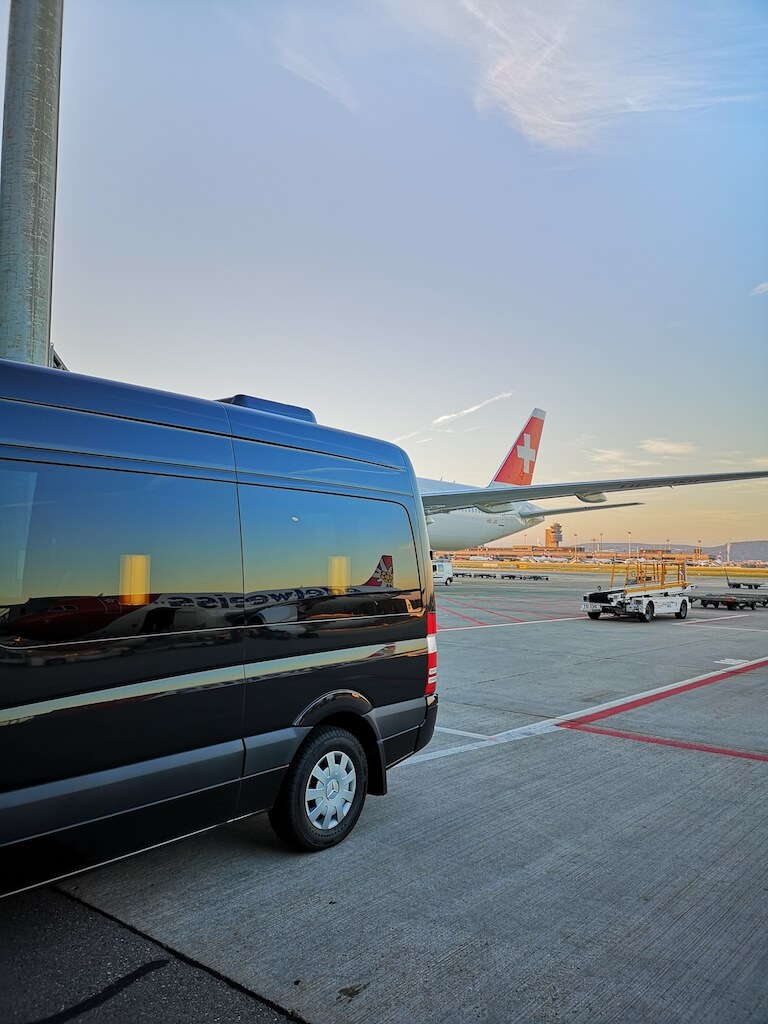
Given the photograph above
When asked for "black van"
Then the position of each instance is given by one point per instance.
(207, 609)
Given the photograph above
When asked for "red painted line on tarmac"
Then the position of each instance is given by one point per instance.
(450, 611)
(517, 608)
(629, 705)
(704, 747)
(506, 625)
(552, 612)
(488, 611)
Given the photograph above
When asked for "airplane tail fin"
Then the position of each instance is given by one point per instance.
(517, 468)
(383, 575)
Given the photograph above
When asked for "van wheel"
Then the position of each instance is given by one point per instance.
(683, 610)
(323, 792)
(594, 615)
(647, 614)
(448, 582)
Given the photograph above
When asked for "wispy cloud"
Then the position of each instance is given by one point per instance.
(762, 289)
(439, 423)
(472, 408)
(306, 49)
(659, 446)
(613, 460)
(560, 72)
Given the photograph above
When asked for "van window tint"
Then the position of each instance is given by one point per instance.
(337, 555)
(82, 548)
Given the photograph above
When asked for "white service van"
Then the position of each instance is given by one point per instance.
(442, 572)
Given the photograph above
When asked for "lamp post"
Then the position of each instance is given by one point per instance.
(28, 179)
(629, 543)
(601, 544)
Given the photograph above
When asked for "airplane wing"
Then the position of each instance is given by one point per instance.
(498, 498)
(577, 508)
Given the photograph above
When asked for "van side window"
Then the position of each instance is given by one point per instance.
(111, 543)
(329, 546)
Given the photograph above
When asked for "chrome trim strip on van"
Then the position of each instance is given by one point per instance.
(35, 810)
(132, 691)
(332, 659)
(213, 677)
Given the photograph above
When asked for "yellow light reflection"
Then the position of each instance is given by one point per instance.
(338, 573)
(134, 579)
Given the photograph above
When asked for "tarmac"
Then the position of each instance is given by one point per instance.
(583, 841)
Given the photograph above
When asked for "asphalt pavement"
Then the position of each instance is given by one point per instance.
(582, 841)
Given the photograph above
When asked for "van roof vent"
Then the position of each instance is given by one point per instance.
(296, 412)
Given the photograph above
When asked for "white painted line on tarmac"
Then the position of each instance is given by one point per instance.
(718, 618)
(522, 733)
(460, 732)
(732, 629)
(549, 725)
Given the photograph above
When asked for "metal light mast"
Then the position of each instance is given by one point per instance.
(28, 179)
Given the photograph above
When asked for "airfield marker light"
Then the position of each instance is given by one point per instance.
(431, 686)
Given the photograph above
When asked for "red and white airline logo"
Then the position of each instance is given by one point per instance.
(517, 468)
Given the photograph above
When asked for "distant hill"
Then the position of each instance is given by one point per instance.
(741, 550)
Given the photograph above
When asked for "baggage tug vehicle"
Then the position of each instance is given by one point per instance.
(641, 590)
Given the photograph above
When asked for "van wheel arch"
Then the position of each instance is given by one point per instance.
(366, 736)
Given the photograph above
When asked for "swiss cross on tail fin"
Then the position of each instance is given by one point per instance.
(383, 574)
(517, 467)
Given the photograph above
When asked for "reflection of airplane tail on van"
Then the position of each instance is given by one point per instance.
(383, 575)
(52, 619)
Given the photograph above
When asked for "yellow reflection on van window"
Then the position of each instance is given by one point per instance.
(338, 573)
(134, 579)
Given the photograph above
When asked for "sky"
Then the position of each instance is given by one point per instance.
(422, 220)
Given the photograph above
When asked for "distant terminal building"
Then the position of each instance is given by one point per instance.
(594, 550)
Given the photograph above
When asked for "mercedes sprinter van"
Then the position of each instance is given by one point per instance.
(207, 609)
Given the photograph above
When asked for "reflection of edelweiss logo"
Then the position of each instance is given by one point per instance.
(387, 577)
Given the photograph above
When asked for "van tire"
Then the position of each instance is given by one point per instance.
(646, 615)
(448, 582)
(332, 754)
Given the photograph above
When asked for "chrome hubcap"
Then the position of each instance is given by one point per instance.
(330, 790)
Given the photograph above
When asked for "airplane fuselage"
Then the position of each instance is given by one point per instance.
(469, 528)
(472, 527)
